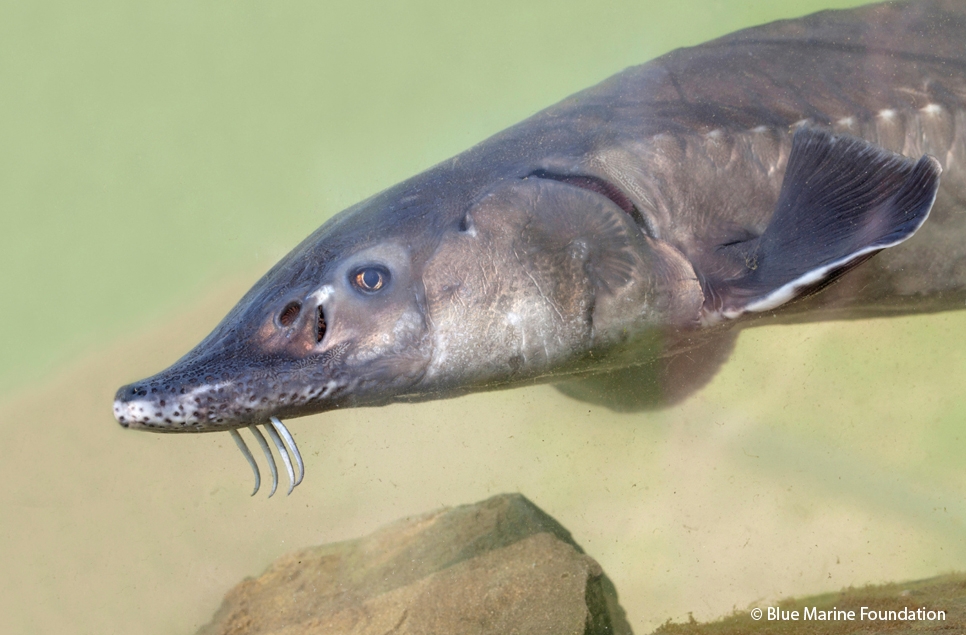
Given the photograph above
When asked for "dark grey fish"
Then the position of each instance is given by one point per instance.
(615, 242)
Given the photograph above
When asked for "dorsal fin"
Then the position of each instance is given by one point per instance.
(842, 200)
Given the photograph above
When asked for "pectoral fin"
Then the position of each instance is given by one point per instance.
(842, 200)
(657, 384)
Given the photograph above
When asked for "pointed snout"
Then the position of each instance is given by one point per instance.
(184, 398)
(124, 403)
(143, 405)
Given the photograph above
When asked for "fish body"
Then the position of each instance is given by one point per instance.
(614, 243)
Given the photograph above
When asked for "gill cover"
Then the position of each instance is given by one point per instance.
(842, 200)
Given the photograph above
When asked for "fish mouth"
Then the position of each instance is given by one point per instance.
(222, 405)
(170, 403)
(134, 408)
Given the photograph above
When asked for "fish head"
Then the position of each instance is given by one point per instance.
(461, 279)
(339, 321)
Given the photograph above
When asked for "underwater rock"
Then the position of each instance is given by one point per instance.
(499, 566)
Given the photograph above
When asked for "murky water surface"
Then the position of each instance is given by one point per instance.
(154, 161)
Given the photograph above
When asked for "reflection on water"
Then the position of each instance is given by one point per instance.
(821, 456)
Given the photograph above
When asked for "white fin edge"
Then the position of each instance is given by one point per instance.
(790, 290)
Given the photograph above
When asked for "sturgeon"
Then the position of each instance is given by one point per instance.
(616, 242)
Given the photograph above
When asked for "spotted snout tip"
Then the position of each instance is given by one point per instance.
(129, 404)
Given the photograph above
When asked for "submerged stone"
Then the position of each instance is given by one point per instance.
(499, 566)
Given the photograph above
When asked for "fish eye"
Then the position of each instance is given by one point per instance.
(370, 279)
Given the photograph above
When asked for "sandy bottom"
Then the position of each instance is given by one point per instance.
(822, 456)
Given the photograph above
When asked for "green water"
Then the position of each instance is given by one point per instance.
(149, 148)
(155, 159)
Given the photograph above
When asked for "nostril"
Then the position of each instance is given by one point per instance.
(320, 326)
(289, 313)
